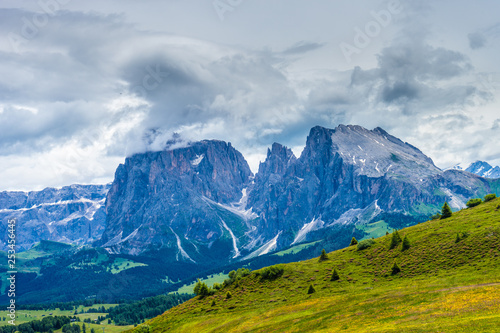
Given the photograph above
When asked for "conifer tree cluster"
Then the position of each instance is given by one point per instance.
(353, 241)
(201, 289)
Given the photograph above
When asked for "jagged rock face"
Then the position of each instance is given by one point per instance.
(484, 169)
(201, 202)
(73, 214)
(175, 199)
(348, 175)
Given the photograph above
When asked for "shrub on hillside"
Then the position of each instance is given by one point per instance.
(474, 202)
(143, 329)
(490, 197)
(271, 272)
(436, 216)
(365, 244)
(235, 276)
(354, 241)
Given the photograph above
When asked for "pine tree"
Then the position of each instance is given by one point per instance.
(406, 244)
(395, 240)
(335, 275)
(395, 269)
(311, 289)
(197, 287)
(446, 211)
(323, 256)
(353, 242)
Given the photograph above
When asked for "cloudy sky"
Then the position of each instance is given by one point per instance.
(85, 83)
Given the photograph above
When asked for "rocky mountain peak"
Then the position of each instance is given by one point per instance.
(279, 158)
(170, 200)
(484, 169)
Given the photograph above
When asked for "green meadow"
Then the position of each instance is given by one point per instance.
(448, 281)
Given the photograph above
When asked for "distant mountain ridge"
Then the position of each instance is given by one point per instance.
(73, 214)
(484, 169)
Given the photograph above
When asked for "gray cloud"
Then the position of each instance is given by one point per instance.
(476, 40)
(302, 47)
(411, 75)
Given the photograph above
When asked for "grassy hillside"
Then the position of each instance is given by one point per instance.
(446, 284)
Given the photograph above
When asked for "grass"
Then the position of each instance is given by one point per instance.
(121, 264)
(443, 286)
(115, 266)
(216, 278)
(101, 328)
(375, 229)
(23, 316)
(295, 249)
(43, 249)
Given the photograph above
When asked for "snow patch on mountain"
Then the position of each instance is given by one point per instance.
(237, 208)
(182, 252)
(266, 248)
(315, 224)
(197, 160)
(235, 245)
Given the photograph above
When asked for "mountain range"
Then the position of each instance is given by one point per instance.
(201, 204)
(72, 214)
(484, 169)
